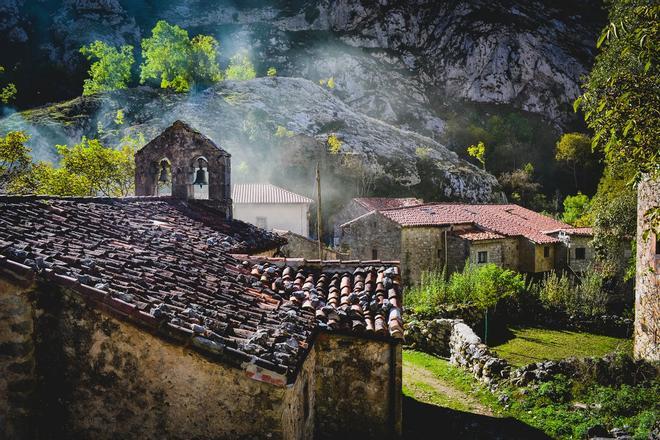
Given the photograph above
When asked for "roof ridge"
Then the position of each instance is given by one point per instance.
(31, 197)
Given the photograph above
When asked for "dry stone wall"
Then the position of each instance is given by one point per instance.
(454, 339)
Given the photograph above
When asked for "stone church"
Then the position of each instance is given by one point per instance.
(134, 318)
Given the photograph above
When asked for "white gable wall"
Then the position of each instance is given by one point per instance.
(285, 216)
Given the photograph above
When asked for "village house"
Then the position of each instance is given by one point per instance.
(362, 205)
(298, 246)
(133, 318)
(647, 281)
(271, 207)
(431, 236)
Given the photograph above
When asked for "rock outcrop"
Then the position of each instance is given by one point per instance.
(243, 117)
(394, 60)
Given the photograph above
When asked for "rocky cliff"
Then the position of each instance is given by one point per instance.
(399, 61)
(243, 117)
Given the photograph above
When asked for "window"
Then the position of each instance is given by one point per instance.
(374, 254)
(657, 246)
(261, 222)
(439, 254)
(580, 253)
(546, 251)
(482, 257)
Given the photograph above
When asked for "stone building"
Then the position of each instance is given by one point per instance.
(362, 205)
(298, 246)
(271, 207)
(177, 161)
(131, 318)
(647, 281)
(432, 236)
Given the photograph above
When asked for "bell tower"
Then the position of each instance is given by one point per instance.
(184, 164)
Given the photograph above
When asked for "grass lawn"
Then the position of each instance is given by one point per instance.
(531, 344)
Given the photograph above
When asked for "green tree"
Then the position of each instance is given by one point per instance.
(574, 149)
(107, 171)
(621, 102)
(177, 61)
(271, 72)
(8, 92)
(44, 178)
(240, 68)
(576, 210)
(15, 157)
(478, 152)
(111, 70)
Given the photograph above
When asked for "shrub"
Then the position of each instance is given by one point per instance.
(482, 286)
(585, 296)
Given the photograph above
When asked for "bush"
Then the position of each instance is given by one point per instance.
(482, 286)
(585, 296)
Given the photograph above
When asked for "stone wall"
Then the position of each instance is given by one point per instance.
(580, 242)
(492, 247)
(298, 246)
(351, 211)
(454, 339)
(358, 393)
(17, 364)
(647, 281)
(372, 232)
(71, 371)
(422, 250)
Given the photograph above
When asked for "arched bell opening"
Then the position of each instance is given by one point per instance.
(164, 178)
(200, 183)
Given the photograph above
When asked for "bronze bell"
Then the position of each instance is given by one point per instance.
(200, 176)
(163, 172)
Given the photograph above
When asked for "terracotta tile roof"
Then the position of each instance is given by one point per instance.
(264, 193)
(508, 220)
(380, 203)
(166, 264)
(361, 297)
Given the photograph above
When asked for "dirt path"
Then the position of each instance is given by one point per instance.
(423, 383)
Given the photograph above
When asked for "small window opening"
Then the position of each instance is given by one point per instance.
(482, 257)
(580, 253)
(164, 181)
(657, 246)
(439, 254)
(201, 180)
(546, 251)
(374, 254)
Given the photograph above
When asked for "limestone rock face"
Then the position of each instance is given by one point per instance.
(243, 118)
(399, 61)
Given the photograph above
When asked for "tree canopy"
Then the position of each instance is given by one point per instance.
(178, 61)
(111, 70)
(576, 209)
(621, 101)
(478, 152)
(574, 149)
(14, 157)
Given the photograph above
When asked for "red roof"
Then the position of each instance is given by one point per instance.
(265, 193)
(508, 220)
(380, 203)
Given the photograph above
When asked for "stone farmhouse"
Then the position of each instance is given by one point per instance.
(271, 207)
(431, 236)
(362, 205)
(647, 282)
(134, 318)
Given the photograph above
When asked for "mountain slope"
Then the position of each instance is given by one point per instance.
(399, 61)
(243, 117)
